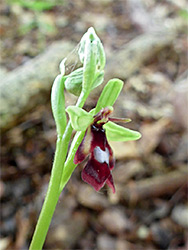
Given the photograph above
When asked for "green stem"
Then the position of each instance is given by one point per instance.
(52, 195)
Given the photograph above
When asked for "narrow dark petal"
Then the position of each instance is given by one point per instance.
(84, 148)
(95, 173)
(110, 183)
(114, 119)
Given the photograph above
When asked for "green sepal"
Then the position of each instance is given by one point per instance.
(80, 119)
(58, 104)
(116, 132)
(109, 94)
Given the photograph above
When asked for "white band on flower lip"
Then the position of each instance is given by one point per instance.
(100, 155)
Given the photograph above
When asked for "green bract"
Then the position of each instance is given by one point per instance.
(80, 119)
(58, 104)
(115, 132)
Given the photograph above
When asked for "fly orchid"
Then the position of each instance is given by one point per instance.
(97, 171)
(94, 129)
(99, 129)
(101, 161)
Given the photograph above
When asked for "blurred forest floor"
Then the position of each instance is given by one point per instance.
(150, 208)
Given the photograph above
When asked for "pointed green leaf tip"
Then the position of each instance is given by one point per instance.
(80, 119)
(115, 132)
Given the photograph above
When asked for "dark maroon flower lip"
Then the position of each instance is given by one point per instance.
(98, 169)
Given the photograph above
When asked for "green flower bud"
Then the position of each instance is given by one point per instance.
(92, 36)
(73, 82)
(91, 75)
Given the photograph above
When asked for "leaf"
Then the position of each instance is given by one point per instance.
(34, 5)
(184, 13)
(80, 119)
(37, 5)
(58, 104)
(116, 132)
(109, 94)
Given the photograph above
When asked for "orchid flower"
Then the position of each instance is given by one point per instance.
(99, 129)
